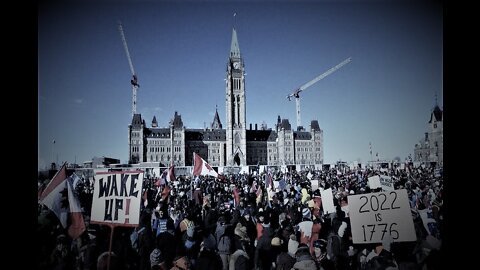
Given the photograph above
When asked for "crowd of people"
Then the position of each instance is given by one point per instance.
(247, 221)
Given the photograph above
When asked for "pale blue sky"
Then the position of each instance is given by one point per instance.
(180, 50)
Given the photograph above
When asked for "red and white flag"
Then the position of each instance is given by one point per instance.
(201, 167)
(168, 175)
(77, 225)
(171, 174)
(59, 197)
(58, 178)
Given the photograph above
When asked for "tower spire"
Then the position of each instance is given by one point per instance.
(216, 124)
(234, 47)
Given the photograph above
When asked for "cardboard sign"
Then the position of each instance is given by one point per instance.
(315, 184)
(380, 216)
(374, 182)
(387, 183)
(117, 197)
(327, 201)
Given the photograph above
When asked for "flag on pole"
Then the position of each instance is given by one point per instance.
(165, 193)
(59, 197)
(56, 180)
(201, 167)
(171, 174)
(77, 225)
(168, 175)
(55, 196)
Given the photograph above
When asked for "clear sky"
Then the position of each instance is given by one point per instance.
(179, 50)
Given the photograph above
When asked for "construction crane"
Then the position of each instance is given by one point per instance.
(296, 93)
(134, 80)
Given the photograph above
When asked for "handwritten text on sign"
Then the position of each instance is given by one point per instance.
(117, 197)
(382, 215)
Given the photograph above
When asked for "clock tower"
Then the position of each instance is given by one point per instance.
(235, 107)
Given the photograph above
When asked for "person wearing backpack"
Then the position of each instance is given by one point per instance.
(224, 249)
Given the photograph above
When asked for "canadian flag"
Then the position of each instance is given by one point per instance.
(168, 175)
(201, 167)
(59, 197)
(171, 174)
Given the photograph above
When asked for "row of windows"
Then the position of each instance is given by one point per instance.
(301, 149)
(303, 143)
(159, 149)
(158, 142)
(165, 158)
(163, 135)
(306, 156)
(135, 149)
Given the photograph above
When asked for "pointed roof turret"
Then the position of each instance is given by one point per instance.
(436, 115)
(234, 47)
(154, 122)
(176, 122)
(216, 124)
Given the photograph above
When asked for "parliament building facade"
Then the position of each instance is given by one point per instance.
(430, 148)
(232, 145)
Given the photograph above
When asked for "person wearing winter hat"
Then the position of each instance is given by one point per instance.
(275, 250)
(304, 258)
(260, 220)
(286, 260)
(276, 241)
(241, 232)
(156, 260)
(292, 245)
(306, 214)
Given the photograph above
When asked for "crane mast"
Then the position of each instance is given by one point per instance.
(296, 93)
(134, 80)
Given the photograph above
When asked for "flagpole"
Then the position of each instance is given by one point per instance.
(110, 245)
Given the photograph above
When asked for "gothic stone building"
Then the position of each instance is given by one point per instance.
(234, 145)
(430, 148)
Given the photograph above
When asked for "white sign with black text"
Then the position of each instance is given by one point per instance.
(386, 182)
(375, 216)
(117, 197)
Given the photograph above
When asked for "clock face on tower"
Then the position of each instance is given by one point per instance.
(236, 65)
